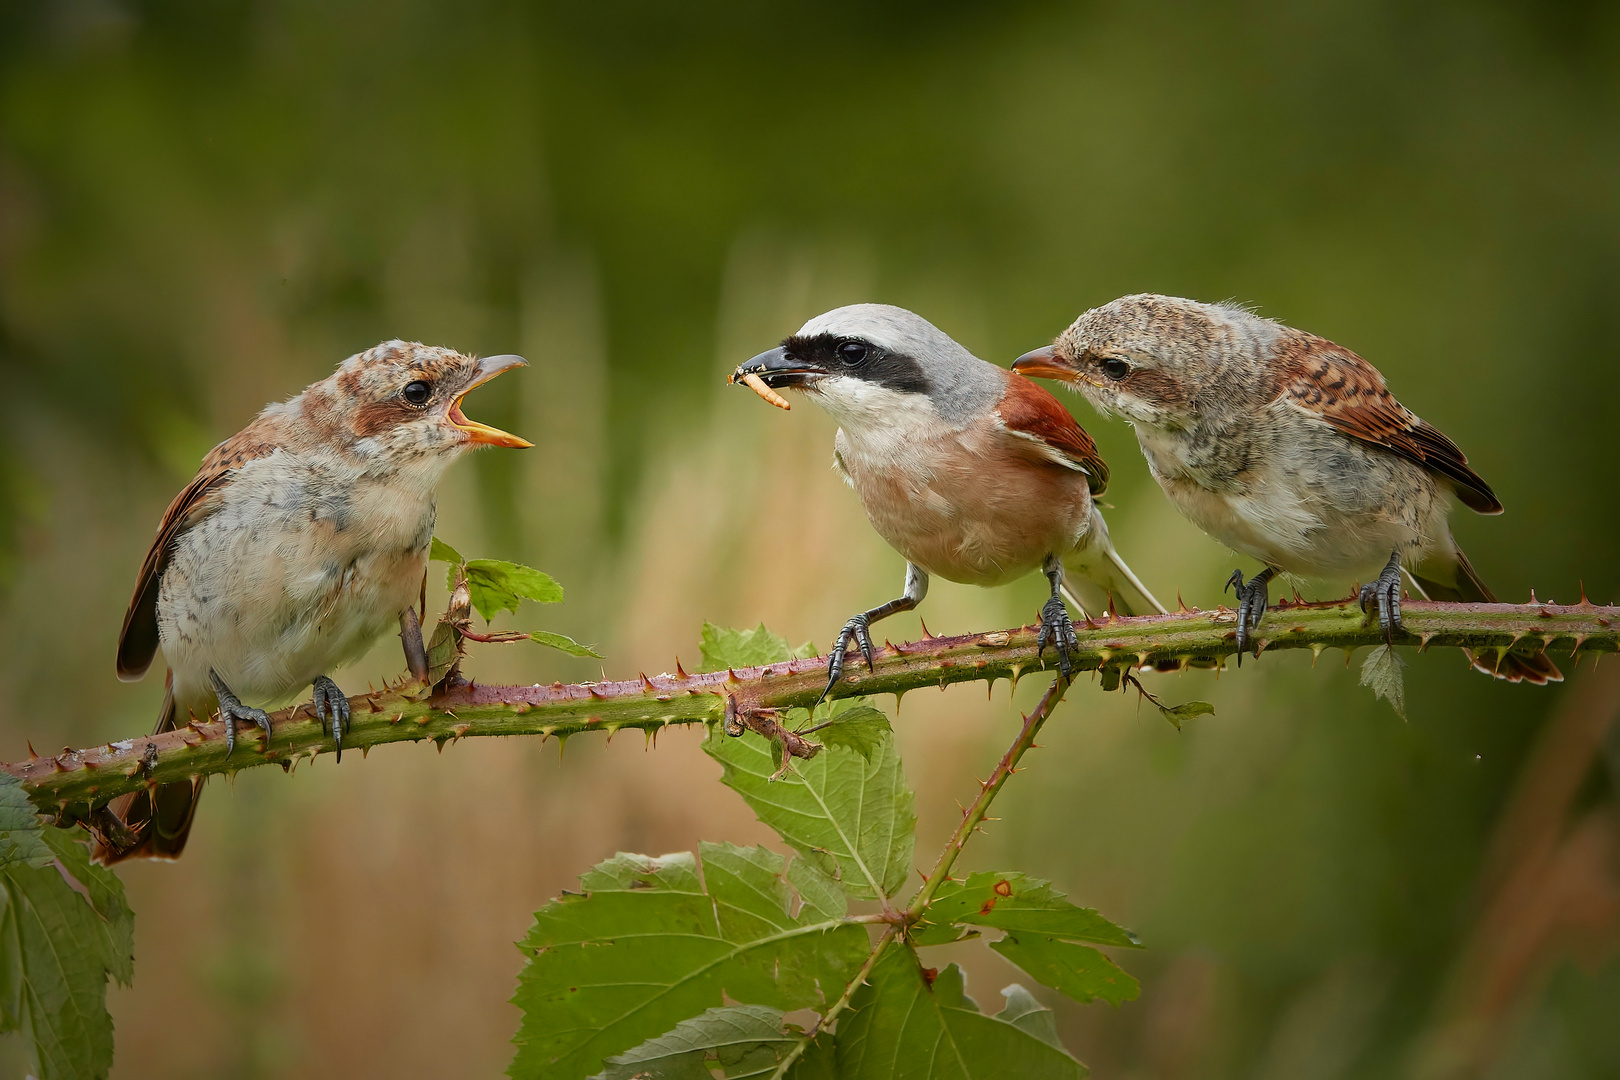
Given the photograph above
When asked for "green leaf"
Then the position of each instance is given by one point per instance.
(1022, 1010)
(850, 815)
(1382, 672)
(1013, 901)
(1079, 971)
(564, 644)
(501, 586)
(443, 552)
(64, 929)
(900, 1027)
(861, 729)
(748, 1040)
(20, 830)
(722, 648)
(651, 944)
(1180, 714)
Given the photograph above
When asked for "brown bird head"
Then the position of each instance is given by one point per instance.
(1151, 358)
(402, 401)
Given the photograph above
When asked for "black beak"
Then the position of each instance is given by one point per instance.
(777, 369)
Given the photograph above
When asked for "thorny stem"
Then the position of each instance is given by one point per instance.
(971, 818)
(988, 790)
(838, 1006)
(68, 784)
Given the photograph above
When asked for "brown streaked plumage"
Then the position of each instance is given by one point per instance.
(300, 541)
(1286, 447)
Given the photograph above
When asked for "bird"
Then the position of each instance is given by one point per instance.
(303, 538)
(1287, 448)
(974, 474)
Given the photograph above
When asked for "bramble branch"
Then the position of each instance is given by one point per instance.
(69, 783)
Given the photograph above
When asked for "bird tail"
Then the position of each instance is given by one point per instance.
(150, 824)
(1456, 581)
(1094, 574)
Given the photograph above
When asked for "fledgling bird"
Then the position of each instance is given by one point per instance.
(303, 538)
(972, 473)
(1285, 447)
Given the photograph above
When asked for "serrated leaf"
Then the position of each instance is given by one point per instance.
(724, 648)
(440, 551)
(498, 585)
(1180, 714)
(1079, 971)
(20, 828)
(819, 895)
(64, 929)
(748, 1036)
(1382, 672)
(564, 644)
(861, 729)
(850, 815)
(1022, 1010)
(898, 1027)
(1013, 901)
(650, 945)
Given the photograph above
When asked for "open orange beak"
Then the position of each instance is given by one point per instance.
(1044, 364)
(483, 434)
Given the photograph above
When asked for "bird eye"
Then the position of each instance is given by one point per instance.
(1115, 368)
(853, 352)
(417, 392)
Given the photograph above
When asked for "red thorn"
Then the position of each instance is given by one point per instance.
(1584, 601)
(731, 676)
(31, 755)
(1533, 599)
(1112, 614)
(597, 694)
(1181, 605)
(680, 672)
(926, 635)
(646, 683)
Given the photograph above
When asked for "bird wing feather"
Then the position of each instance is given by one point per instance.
(1029, 412)
(1333, 383)
(138, 640)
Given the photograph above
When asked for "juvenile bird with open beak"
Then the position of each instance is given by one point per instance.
(303, 538)
(972, 473)
(1285, 447)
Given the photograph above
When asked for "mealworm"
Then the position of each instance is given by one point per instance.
(757, 385)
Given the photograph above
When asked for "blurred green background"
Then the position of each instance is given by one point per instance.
(205, 206)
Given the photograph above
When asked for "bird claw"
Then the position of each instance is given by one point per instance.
(1386, 591)
(858, 629)
(332, 710)
(1252, 597)
(1057, 630)
(233, 712)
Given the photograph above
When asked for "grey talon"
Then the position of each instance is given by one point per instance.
(233, 712)
(1386, 590)
(1252, 597)
(332, 710)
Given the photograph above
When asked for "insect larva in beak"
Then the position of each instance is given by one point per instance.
(757, 385)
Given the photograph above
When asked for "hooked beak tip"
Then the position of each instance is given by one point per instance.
(1044, 364)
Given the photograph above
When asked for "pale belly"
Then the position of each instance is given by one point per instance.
(1315, 521)
(276, 588)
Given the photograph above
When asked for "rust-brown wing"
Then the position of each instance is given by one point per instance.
(138, 640)
(1349, 393)
(1031, 412)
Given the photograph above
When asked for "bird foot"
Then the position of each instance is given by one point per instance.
(233, 712)
(1252, 597)
(858, 630)
(1057, 630)
(332, 710)
(1386, 592)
